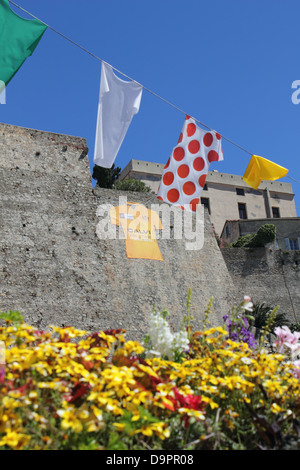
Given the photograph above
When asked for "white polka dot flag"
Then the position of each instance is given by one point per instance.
(185, 173)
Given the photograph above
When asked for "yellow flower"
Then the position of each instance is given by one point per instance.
(68, 331)
(70, 420)
(10, 402)
(213, 330)
(54, 385)
(15, 440)
(276, 408)
(148, 370)
(97, 412)
(119, 426)
(160, 429)
(208, 400)
(130, 347)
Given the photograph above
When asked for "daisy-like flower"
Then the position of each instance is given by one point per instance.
(247, 303)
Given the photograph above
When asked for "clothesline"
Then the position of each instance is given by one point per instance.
(131, 79)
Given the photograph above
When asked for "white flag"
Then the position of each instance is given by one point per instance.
(119, 101)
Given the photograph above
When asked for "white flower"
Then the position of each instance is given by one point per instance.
(163, 342)
(247, 304)
(246, 360)
(181, 340)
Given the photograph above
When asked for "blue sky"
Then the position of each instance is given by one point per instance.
(230, 64)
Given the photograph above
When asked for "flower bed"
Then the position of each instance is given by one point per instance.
(64, 388)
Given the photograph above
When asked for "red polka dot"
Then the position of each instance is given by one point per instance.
(202, 180)
(208, 139)
(167, 164)
(218, 136)
(191, 129)
(187, 117)
(178, 153)
(183, 171)
(189, 188)
(198, 164)
(180, 138)
(213, 156)
(168, 178)
(159, 197)
(173, 195)
(194, 146)
(193, 204)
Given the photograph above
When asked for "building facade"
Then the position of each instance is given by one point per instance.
(287, 231)
(226, 196)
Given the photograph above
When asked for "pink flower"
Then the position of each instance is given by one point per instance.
(287, 339)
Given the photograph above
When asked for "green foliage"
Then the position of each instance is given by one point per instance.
(242, 241)
(12, 317)
(295, 327)
(266, 318)
(132, 184)
(265, 234)
(106, 177)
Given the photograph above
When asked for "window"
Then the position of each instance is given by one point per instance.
(205, 187)
(242, 210)
(292, 243)
(240, 191)
(205, 202)
(275, 211)
(227, 230)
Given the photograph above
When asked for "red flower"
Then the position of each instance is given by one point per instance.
(192, 402)
(2, 374)
(78, 391)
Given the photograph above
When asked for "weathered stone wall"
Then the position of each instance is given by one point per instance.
(55, 270)
(268, 276)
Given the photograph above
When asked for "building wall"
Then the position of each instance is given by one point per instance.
(147, 172)
(286, 229)
(222, 195)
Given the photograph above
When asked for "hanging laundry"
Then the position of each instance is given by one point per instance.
(119, 101)
(185, 173)
(18, 39)
(139, 226)
(260, 169)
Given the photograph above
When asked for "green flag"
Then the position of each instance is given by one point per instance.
(18, 40)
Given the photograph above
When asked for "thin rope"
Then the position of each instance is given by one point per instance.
(293, 179)
(129, 78)
(139, 84)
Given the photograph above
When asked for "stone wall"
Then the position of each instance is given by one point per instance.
(54, 268)
(268, 276)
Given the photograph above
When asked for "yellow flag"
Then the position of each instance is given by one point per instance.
(260, 169)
